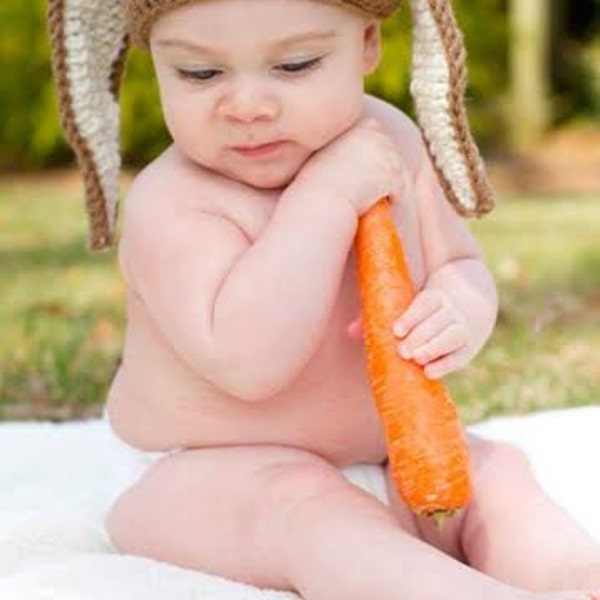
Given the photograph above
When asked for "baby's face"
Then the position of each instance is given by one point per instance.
(237, 73)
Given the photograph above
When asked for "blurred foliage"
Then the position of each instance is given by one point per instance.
(143, 130)
(29, 131)
(576, 60)
(30, 134)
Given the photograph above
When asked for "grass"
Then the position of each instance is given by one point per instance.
(61, 317)
(545, 351)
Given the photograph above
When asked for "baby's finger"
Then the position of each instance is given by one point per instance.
(450, 340)
(447, 364)
(424, 305)
(425, 331)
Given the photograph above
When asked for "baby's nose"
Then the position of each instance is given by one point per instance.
(248, 101)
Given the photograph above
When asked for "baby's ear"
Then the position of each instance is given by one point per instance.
(372, 45)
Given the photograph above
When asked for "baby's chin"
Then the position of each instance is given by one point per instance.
(269, 179)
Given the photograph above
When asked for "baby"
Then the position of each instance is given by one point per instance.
(243, 397)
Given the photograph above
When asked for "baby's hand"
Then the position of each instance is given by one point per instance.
(360, 166)
(434, 334)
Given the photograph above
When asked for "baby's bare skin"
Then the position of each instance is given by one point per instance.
(241, 346)
(328, 404)
(287, 442)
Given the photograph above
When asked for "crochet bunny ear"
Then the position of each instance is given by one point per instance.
(438, 86)
(89, 43)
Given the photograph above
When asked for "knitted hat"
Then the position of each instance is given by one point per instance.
(90, 39)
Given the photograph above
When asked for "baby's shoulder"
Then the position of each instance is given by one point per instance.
(400, 127)
(172, 189)
(165, 186)
(172, 209)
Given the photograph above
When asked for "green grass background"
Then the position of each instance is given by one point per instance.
(61, 308)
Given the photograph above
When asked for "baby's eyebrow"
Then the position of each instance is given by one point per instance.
(303, 37)
(274, 45)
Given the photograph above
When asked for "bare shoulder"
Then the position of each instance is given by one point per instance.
(401, 128)
(172, 187)
(171, 211)
(165, 187)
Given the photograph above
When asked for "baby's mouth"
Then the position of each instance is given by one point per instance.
(260, 150)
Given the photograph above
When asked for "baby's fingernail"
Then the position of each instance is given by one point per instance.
(399, 330)
(420, 356)
(432, 373)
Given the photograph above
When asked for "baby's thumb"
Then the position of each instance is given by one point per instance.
(355, 329)
(399, 189)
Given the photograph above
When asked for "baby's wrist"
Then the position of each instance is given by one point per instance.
(326, 192)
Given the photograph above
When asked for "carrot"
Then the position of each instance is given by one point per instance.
(427, 447)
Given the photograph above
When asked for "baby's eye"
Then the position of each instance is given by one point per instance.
(197, 74)
(299, 66)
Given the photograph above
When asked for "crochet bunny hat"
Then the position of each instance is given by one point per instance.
(90, 39)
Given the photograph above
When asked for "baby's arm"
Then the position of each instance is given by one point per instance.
(246, 315)
(454, 314)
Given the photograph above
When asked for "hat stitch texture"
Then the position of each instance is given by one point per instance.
(87, 69)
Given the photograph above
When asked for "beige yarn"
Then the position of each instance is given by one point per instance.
(90, 39)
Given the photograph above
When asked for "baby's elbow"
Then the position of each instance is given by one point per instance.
(248, 388)
(244, 369)
(252, 393)
(247, 380)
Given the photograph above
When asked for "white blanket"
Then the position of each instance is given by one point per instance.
(53, 481)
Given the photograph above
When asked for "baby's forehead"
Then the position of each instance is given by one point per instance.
(226, 27)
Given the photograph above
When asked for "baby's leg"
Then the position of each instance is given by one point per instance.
(515, 532)
(283, 518)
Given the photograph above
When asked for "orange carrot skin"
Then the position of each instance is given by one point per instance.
(427, 446)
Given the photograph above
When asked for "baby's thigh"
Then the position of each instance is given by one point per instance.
(221, 510)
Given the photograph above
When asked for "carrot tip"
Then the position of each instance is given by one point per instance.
(441, 516)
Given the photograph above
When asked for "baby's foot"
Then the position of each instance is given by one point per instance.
(587, 578)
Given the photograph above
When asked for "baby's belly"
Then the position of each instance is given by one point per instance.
(344, 429)
(328, 410)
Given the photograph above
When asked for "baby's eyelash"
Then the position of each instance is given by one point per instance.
(299, 66)
(197, 74)
(288, 68)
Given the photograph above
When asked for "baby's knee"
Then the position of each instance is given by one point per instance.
(302, 478)
(308, 493)
(499, 464)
